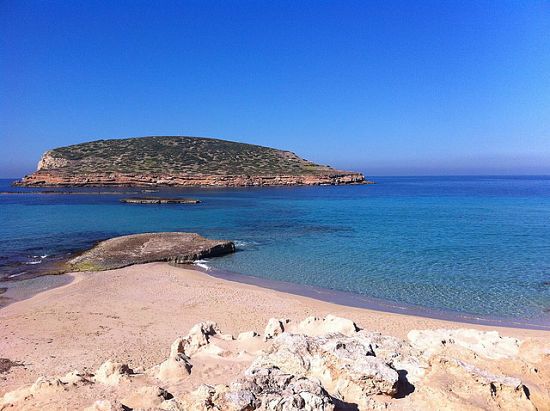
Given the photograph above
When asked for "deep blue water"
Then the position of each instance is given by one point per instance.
(475, 245)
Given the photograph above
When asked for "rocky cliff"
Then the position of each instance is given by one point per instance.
(179, 161)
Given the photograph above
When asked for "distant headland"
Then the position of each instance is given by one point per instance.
(180, 161)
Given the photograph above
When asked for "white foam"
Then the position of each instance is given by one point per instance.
(201, 264)
(244, 244)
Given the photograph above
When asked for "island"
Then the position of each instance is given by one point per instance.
(180, 161)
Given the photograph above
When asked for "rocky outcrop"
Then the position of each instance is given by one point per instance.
(460, 385)
(346, 366)
(147, 397)
(318, 364)
(178, 364)
(111, 373)
(159, 200)
(176, 247)
(488, 344)
(49, 161)
(274, 327)
(261, 389)
(180, 161)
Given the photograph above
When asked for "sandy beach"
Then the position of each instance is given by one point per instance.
(133, 314)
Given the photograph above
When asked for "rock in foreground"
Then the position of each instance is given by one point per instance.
(175, 247)
(317, 365)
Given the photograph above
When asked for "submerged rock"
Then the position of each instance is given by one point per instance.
(159, 200)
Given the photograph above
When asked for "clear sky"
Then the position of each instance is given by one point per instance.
(386, 87)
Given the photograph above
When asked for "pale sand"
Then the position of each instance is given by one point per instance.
(133, 315)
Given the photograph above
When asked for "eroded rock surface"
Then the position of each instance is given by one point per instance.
(488, 344)
(316, 364)
(111, 372)
(459, 385)
(176, 247)
(274, 327)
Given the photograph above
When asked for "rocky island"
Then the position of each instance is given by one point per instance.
(179, 161)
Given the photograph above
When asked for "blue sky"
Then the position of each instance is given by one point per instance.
(389, 88)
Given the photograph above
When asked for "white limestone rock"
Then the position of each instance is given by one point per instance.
(345, 366)
(314, 326)
(274, 328)
(174, 369)
(147, 397)
(247, 335)
(488, 344)
(112, 373)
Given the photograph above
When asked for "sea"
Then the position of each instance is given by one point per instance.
(473, 248)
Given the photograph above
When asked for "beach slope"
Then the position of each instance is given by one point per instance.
(134, 315)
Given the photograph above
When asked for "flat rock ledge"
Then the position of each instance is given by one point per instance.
(159, 200)
(174, 247)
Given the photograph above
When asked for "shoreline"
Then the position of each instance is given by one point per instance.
(24, 289)
(355, 300)
(133, 315)
(29, 287)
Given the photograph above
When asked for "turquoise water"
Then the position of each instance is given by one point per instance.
(472, 245)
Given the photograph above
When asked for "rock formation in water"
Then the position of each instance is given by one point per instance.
(175, 247)
(318, 364)
(179, 161)
(159, 200)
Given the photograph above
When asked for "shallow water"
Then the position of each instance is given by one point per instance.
(472, 245)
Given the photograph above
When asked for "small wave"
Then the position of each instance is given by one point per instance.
(14, 275)
(202, 264)
(244, 244)
(32, 262)
(40, 256)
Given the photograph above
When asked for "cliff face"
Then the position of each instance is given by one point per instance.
(179, 161)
